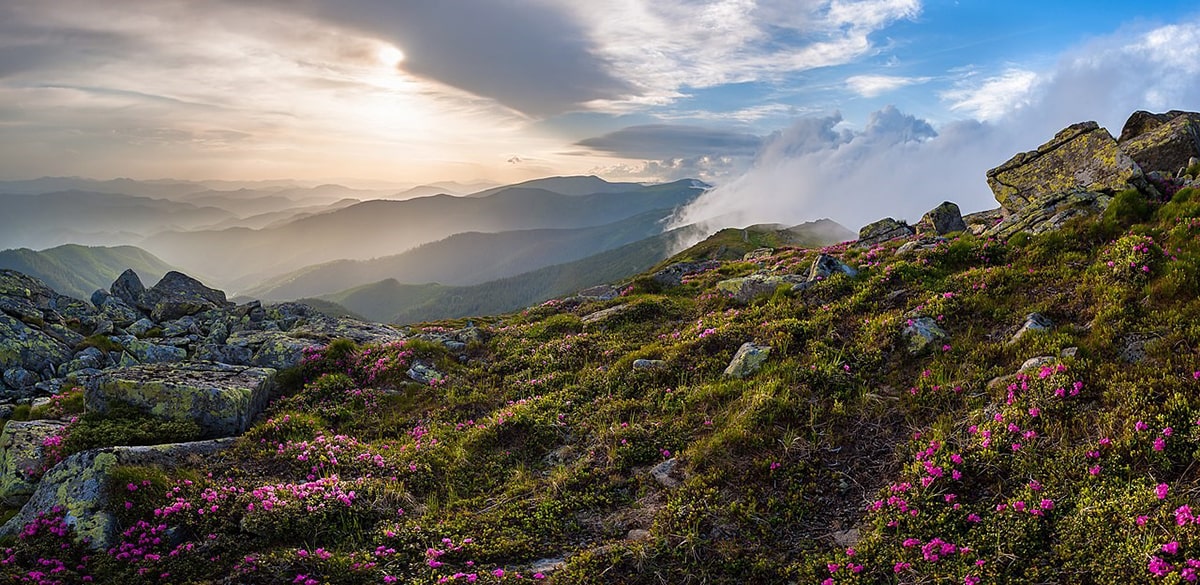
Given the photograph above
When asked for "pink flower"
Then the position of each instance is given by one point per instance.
(1159, 444)
(1161, 491)
(1171, 547)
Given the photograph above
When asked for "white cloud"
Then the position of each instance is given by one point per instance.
(664, 46)
(875, 85)
(993, 97)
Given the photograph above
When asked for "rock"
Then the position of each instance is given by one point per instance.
(24, 457)
(825, 266)
(758, 255)
(33, 349)
(178, 295)
(1082, 157)
(1036, 363)
(545, 566)
(141, 327)
(424, 374)
(920, 245)
(120, 313)
(181, 327)
(1161, 142)
(746, 289)
(881, 231)
(643, 364)
(1069, 352)
(606, 314)
(663, 473)
(226, 354)
(922, 333)
(941, 220)
(604, 292)
(20, 378)
(128, 288)
(638, 535)
(672, 275)
(748, 360)
(1033, 322)
(846, 538)
(1050, 213)
(981, 221)
(78, 487)
(150, 353)
(220, 398)
(1133, 347)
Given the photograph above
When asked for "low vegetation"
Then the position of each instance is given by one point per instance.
(545, 454)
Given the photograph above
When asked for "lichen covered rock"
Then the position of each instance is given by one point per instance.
(941, 220)
(882, 231)
(748, 360)
(24, 456)
(1161, 142)
(1081, 157)
(922, 333)
(747, 288)
(78, 487)
(1049, 213)
(220, 398)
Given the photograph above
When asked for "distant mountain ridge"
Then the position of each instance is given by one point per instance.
(77, 271)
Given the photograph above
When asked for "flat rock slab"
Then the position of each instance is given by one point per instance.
(23, 457)
(222, 399)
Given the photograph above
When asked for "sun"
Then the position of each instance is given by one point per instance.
(391, 56)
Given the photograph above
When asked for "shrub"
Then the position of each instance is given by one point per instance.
(1127, 208)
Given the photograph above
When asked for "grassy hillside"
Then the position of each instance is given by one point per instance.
(852, 456)
(394, 302)
(77, 271)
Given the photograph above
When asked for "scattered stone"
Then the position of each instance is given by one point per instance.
(1161, 142)
(1033, 322)
(78, 487)
(638, 535)
(663, 473)
(882, 231)
(747, 361)
(604, 292)
(747, 288)
(923, 332)
(846, 538)
(1081, 157)
(941, 220)
(1069, 352)
(220, 398)
(758, 255)
(23, 457)
(150, 353)
(424, 374)
(672, 275)
(606, 314)
(644, 364)
(920, 245)
(30, 348)
(546, 566)
(825, 266)
(1133, 349)
(140, 327)
(20, 378)
(1036, 363)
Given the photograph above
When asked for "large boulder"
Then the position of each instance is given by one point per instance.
(1161, 142)
(883, 230)
(128, 288)
(178, 295)
(147, 352)
(825, 266)
(222, 399)
(1082, 157)
(24, 456)
(29, 347)
(78, 488)
(981, 221)
(941, 220)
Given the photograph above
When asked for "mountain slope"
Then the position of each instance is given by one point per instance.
(465, 259)
(380, 228)
(77, 271)
(394, 302)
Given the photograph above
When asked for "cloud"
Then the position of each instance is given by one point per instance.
(663, 141)
(898, 166)
(875, 85)
(533, 57)
(664, 47)
(993, 97)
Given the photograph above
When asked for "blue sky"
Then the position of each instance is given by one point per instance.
(413, 91)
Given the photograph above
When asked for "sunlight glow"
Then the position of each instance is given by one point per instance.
(391, 56)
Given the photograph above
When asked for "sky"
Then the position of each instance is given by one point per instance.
(786, 106)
